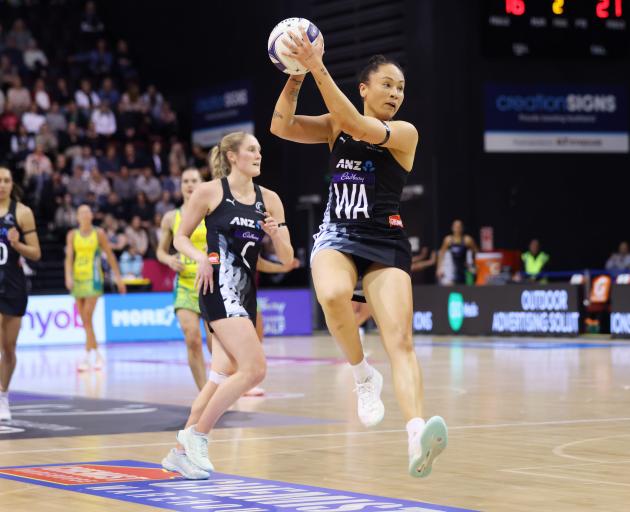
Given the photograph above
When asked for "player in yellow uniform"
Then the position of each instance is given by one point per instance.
(84, 276)
(186, 297)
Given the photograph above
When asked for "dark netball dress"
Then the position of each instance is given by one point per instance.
(459, 252)
(234, 235)
(362, 218)
(13, 296)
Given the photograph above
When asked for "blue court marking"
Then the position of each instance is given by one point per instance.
(221, 492)
(526, 345)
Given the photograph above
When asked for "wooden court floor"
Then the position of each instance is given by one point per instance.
(534, 424)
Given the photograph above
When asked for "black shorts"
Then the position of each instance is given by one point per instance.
(390, 249)
(13, 306)
(232, 299)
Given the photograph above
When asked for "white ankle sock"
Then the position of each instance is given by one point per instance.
(362, 371)
(4, 394)
(197, 433)
(414, 426)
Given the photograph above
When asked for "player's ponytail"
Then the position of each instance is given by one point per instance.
(218, 159)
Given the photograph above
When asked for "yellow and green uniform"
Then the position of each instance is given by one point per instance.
(186, 297)
(87, 272)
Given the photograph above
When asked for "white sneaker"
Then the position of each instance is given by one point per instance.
(255, 391)
(370, 406)
(5, 412)
(196, 447)
(425, 447)
(179, 463)
(84, 365)
(99, 362)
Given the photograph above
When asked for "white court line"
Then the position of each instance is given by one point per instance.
(330, 434)
(562, 477)
(560, 449)
(561, 466)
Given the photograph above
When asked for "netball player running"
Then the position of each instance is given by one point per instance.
(84, 277)
(186, 297)
(362, 234)
(18, 237)
(237, 215)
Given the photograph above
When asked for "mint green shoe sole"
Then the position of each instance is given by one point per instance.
(434, 440)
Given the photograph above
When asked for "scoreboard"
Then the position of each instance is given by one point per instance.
(555, 28)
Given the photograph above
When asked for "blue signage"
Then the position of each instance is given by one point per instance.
(147, 484)
(556, 118)
(285, 312)
(220, 110)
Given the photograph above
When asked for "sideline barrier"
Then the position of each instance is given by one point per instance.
(54, 319)
(515, 309)
(620, 311)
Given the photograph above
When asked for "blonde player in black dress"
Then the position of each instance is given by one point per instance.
(362, 233)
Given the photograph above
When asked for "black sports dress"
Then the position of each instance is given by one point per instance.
(13, 295)
(362, 218)
(234, 236)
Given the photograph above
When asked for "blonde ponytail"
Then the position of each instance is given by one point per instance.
(218, 159)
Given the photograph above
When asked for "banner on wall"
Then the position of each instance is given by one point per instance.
(620, 311)
(539, 310)
(54, 319)
(220, 110)
(530, 118)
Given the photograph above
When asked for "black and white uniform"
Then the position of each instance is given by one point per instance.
(459, 254)
(362, 218)
(13, 296)
(234, 236)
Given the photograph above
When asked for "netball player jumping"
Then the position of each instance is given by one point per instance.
(18, 237)
(237, 215)
(362, 233)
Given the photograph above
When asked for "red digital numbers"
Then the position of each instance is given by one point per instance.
(515, 7)
(602, 9)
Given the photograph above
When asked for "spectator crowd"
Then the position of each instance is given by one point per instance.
(78, 125)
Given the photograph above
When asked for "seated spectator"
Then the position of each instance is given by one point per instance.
(22, 143)
(123, 63)
(71, 142)
(115, 234)
(155, 233)
(55, 119)
(100, 60)
(619, 262)
(131, 263)
(165, 203)
(90, 21)
(37, 164)
(13, 52)
(149, 184)
(125, 185)
(8, 71)
(62, 164)
(9, 121)
(18, 97)
(142, 209)
(57, 190)
(65, 215)
(109, 163)
(104, 120)
(20, 34)
(177, 156)
(137, 237)
(76, 115)
(32, 119)
(99, 186)
(42, 99)
(47, 139)
(131, 107)
(166, 124)
(85, 98)
(78, 186)
(158, 160)
(109, 93)
(153, 101)
(61, 93)
(85, 160)
(173, 183)
(94, 140)
(131, 159)
(34, 58)
(114, 207)
(534, 261)
(199, 158)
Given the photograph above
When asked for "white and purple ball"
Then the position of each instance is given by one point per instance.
(276, 46)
